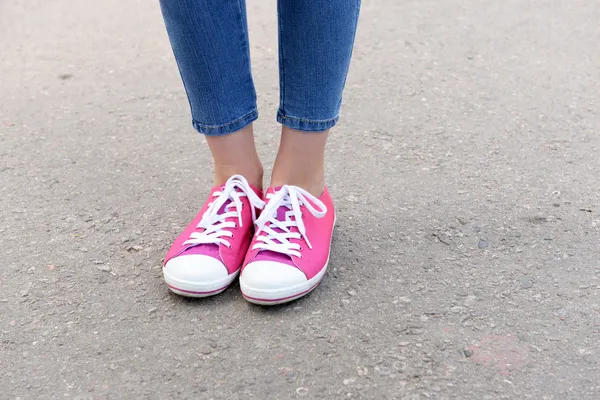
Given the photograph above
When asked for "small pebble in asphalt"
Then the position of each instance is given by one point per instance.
(468, 353)
(526, 283)
(483, 244)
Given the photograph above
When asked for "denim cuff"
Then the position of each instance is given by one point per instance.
(230, 127)
(306, 125)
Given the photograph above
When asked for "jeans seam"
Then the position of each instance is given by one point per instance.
(245, 44)
(311, 121)
(281, 58)
(245, 116)
(356, 17)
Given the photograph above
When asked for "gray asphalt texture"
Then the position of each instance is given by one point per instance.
(465, 169)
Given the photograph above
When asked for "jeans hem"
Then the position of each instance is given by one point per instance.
(306, 125)
(225, 129)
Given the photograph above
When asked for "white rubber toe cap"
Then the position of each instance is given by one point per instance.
(271, 275)
(195, 268)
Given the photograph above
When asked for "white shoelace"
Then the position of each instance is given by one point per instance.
(214, 223)
(278, 241)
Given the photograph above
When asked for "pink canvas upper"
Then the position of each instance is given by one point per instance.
(318, 230)
(232, 257)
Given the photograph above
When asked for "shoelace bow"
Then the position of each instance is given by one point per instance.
(275, 235)
(214, 224)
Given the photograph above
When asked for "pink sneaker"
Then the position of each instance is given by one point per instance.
(289, 253)
(208, 255)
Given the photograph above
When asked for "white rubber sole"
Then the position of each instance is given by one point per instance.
(282, 295)
(197, 289)
(271, 297)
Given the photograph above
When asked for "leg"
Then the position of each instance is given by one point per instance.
(315, 47)
(235, 154)
(301, 160)
(289, 253)
(210, 43)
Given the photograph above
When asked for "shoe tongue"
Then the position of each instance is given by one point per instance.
(207, 249)
(223, 207)
(227, 202)
(268, 255)
(281, 215)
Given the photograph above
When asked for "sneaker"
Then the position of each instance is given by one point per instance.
(289, 253)
(208, 255)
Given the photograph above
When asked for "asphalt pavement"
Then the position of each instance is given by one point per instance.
(465, 171)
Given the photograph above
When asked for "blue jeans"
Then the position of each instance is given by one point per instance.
(210, 43)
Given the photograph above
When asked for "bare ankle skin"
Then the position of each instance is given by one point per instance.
(235, 153)
(301, 160)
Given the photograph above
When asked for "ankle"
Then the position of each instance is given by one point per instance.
(235, 154)
(252, 172)
(315, 184)
(301, 160)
